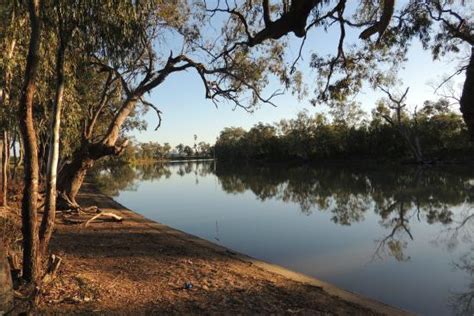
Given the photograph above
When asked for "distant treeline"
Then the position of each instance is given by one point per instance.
(432, 133)
(154, 151)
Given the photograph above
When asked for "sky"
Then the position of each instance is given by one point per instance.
(186, 112)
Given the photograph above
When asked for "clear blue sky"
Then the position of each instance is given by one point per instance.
(186, 112)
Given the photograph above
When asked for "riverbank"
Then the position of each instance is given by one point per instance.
(140, 266)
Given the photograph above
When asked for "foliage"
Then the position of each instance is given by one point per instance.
(154, 152)
(306, 137)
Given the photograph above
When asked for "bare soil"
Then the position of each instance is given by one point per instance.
(142, 267)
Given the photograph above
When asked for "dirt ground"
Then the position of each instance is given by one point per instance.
(141, 267)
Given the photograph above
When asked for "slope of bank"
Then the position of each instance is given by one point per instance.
(140, 266)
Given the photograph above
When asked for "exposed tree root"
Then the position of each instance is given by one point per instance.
(65, 203)
(77, 219)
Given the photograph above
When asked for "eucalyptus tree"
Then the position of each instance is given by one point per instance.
(446, 28)
(32, 100)
(118, 47)
(409, 133)
(188, 151)
(10, 27)
(31, 268)
(129, 50)
(64, 22)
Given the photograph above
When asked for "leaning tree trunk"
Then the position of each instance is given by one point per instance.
(31, 173)
(49, 215)
(73, 173)
(72, 176)
(467, 97)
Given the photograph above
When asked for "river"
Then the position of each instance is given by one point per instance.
(400, 235)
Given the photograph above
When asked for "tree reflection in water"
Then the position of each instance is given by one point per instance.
(451, 237)
(113, 177)
(463, 303)
(399, 196)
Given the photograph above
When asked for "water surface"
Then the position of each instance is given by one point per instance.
(402, 235)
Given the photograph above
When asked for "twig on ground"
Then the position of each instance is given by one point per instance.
(106, 214)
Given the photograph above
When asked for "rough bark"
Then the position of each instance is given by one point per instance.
(49, 215)
(31, 173)
(467, 97)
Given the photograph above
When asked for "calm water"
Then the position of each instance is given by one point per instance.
(402, 236)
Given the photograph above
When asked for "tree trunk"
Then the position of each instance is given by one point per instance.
(31, 173)
(72, 176)
(5, 96)
(5, 165)
(49, 215)
(12, 174)
(113, 131)
(18, 158)
(1, 157)
(467, 97)
(73, 173)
